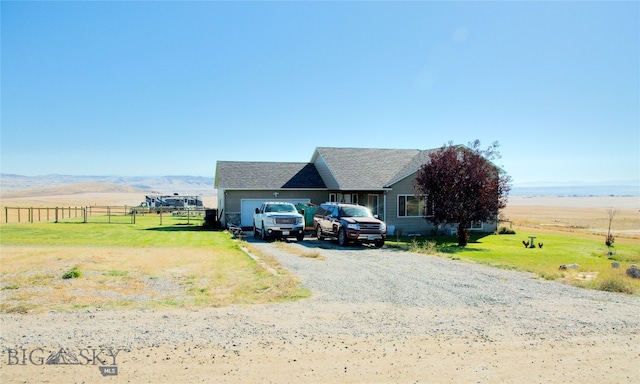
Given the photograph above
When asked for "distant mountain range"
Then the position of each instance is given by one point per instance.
(199, 185)
(166, 185)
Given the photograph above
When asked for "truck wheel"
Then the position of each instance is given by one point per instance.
(319, 234)
(378, 243)
(300, 237)
(263, 233)
(342, 237)
(255, 230)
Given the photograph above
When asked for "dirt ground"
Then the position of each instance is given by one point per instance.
(613, 357)
(339, 360)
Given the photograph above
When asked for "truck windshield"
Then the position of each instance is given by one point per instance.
(355, 212)
(280, 208)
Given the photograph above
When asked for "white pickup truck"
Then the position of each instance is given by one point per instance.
(278, 220)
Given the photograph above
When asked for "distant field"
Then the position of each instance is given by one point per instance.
(587, 215)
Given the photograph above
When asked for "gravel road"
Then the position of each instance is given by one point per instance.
(360, 293)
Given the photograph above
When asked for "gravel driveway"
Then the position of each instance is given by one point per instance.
(375, 315)
(402, 287)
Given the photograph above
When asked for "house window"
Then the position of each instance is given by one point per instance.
(411, 206)
(476, 225)
(354, 198)
(333, 198)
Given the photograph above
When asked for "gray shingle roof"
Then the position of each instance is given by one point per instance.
(353, 169)
(369, 168)
(422, 157)
(266, 175)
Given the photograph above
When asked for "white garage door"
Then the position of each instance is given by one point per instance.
(248, 208)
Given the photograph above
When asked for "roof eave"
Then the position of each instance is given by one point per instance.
(399, 179)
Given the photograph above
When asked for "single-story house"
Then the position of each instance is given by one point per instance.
(381, 179)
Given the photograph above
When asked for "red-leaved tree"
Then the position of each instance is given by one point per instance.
(462, 185)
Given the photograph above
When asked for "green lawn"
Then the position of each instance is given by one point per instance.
(147, 231)
(507, 251)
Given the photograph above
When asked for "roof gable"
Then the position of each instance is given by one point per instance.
(365, 168)
(266, 175)
(411, 167)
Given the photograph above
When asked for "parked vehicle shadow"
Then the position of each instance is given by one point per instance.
(311, 242)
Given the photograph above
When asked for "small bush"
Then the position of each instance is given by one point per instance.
(549, 275)
(610, 240)
(428, 247)
(506, 231)
(73, 273)
(613, 284)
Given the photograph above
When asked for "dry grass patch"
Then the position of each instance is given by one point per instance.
(610, 280)
(130, 277)
(300, 251)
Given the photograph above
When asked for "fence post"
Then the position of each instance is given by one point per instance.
(6, 214)
(84, 213)
(56, 215)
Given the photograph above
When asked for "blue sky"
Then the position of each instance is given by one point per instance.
(169, 88)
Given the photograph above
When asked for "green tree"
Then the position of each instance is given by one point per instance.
(462, 185)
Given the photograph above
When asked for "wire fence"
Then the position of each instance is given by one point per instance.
(94, 214)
